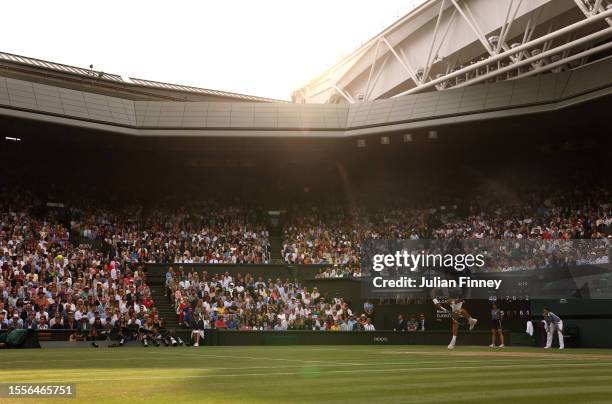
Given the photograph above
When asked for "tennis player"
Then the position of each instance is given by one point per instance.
(458, 316)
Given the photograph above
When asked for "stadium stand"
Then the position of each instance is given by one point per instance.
(54, 275)
(49, 282)
(334, 235)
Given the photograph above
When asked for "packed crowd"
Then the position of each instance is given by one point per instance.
(46, 282)
(339, 272)
(335, 235)
(205, 234)
(237, 302)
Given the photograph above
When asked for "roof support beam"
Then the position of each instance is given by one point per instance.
(473, 25)
(433, 41)
(597, 8)
(503, 27)
(403, 61)
(536, 58)
(376, 77)
(343, 93)
(528, 45)
(372, 68)
(450, 23)
(561, 62)
(507, 25)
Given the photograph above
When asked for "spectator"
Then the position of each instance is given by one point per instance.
(400, 324)
(412, 324)
(197, 330)
(368, 325)
(422, 323)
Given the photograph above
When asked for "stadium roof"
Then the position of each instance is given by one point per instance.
(191, 89)
(169, 90)
(43, 102)
(441, 44)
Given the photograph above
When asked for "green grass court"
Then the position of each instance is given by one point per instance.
(423, 374)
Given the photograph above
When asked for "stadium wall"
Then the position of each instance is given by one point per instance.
(269, 271)
(216, 337)
(591, 318)
(385, 315)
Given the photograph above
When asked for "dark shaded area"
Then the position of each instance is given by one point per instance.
(565, 148)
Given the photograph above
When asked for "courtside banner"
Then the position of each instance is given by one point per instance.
(487, 269)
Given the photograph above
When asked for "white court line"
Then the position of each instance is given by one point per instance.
(113, 371)
(85, 360)
(492, 353)
(260, 358)
(501, 353)
(95, 380)
(445, 353)
(195, 354)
